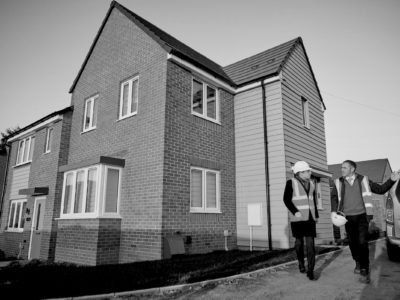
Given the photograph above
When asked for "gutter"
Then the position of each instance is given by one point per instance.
(266, 160)
(5, 179)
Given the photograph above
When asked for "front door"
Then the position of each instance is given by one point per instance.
(37, 227)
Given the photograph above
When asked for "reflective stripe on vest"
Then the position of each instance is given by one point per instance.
(302, 202)
(366, 193)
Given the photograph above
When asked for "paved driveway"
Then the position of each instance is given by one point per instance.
(336, 280)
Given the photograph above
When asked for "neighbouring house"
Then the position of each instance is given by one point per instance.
(377, 170)
(33, 190)
(169, 153)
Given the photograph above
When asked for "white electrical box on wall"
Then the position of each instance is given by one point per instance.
(254, 214)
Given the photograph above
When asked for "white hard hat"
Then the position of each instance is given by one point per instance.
(300, 166)
(338, 219)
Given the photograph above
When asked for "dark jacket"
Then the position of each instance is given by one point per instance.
(288, 194)
(375, 188)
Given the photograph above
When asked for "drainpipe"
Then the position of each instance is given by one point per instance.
(5, 178)
(264, 99)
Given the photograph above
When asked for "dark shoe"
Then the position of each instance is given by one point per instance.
(310, 275)
(364, 276)
(302, 269)
(357, 268)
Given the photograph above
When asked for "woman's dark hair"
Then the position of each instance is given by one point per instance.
(351, 163)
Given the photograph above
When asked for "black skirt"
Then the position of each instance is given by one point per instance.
(304, 228)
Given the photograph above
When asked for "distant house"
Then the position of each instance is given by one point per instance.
(377, 170)
(168, 151)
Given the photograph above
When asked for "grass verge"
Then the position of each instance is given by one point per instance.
(39, 279)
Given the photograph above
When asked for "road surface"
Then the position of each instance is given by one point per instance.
(336, 280)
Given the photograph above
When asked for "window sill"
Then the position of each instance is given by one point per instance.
(111, 216)
(205, 212)
(23, 164)
(88, 130)
(127, 116)
(15, 230)
(206, 118)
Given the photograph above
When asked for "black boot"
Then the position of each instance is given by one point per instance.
(364, 276)
(357, 268)
(310, 275)
(302, 268)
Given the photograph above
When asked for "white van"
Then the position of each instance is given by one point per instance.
(393, 223)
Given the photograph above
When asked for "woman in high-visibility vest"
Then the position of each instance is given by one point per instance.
(300, 199)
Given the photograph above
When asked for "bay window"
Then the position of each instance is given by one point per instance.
(91, 192)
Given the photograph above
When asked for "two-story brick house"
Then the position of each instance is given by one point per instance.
(33, 186)
(167, 148)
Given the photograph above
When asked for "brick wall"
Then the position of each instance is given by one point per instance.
(193, 141)
(122, 51)
(88, 241)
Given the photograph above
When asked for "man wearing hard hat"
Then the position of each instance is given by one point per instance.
(300, 199)
(351, 200)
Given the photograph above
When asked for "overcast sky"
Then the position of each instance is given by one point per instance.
(353, 48)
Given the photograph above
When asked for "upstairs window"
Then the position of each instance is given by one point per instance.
(305, 112)
(204, 190)
(205, 102)
(91, 192)
(25, 150)
(90, 117)
(128, 104)
(49, 138)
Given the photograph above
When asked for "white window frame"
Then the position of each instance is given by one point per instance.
(21, 215)
(99, 207)
(217, 100)
(128, 82)
(305, 110)
(91, 126)
(26, 147)
(204, 208)
(49, 138)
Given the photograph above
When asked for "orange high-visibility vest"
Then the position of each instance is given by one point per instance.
(303, 202)
(365, 190)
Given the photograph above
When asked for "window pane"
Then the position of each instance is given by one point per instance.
(134, 99)
(31, 148)
(68, 193)
(125, 95)
(20, 151)
(11, 220)
(211, 103)
(197, 97)
(26, 150)
(49, 139)
(88, 114)
(211, 201)
(94, 117)
(91, 190)
(80, 181)
(112, 191)
(23, 215)
(196, 188)
(18, 213)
